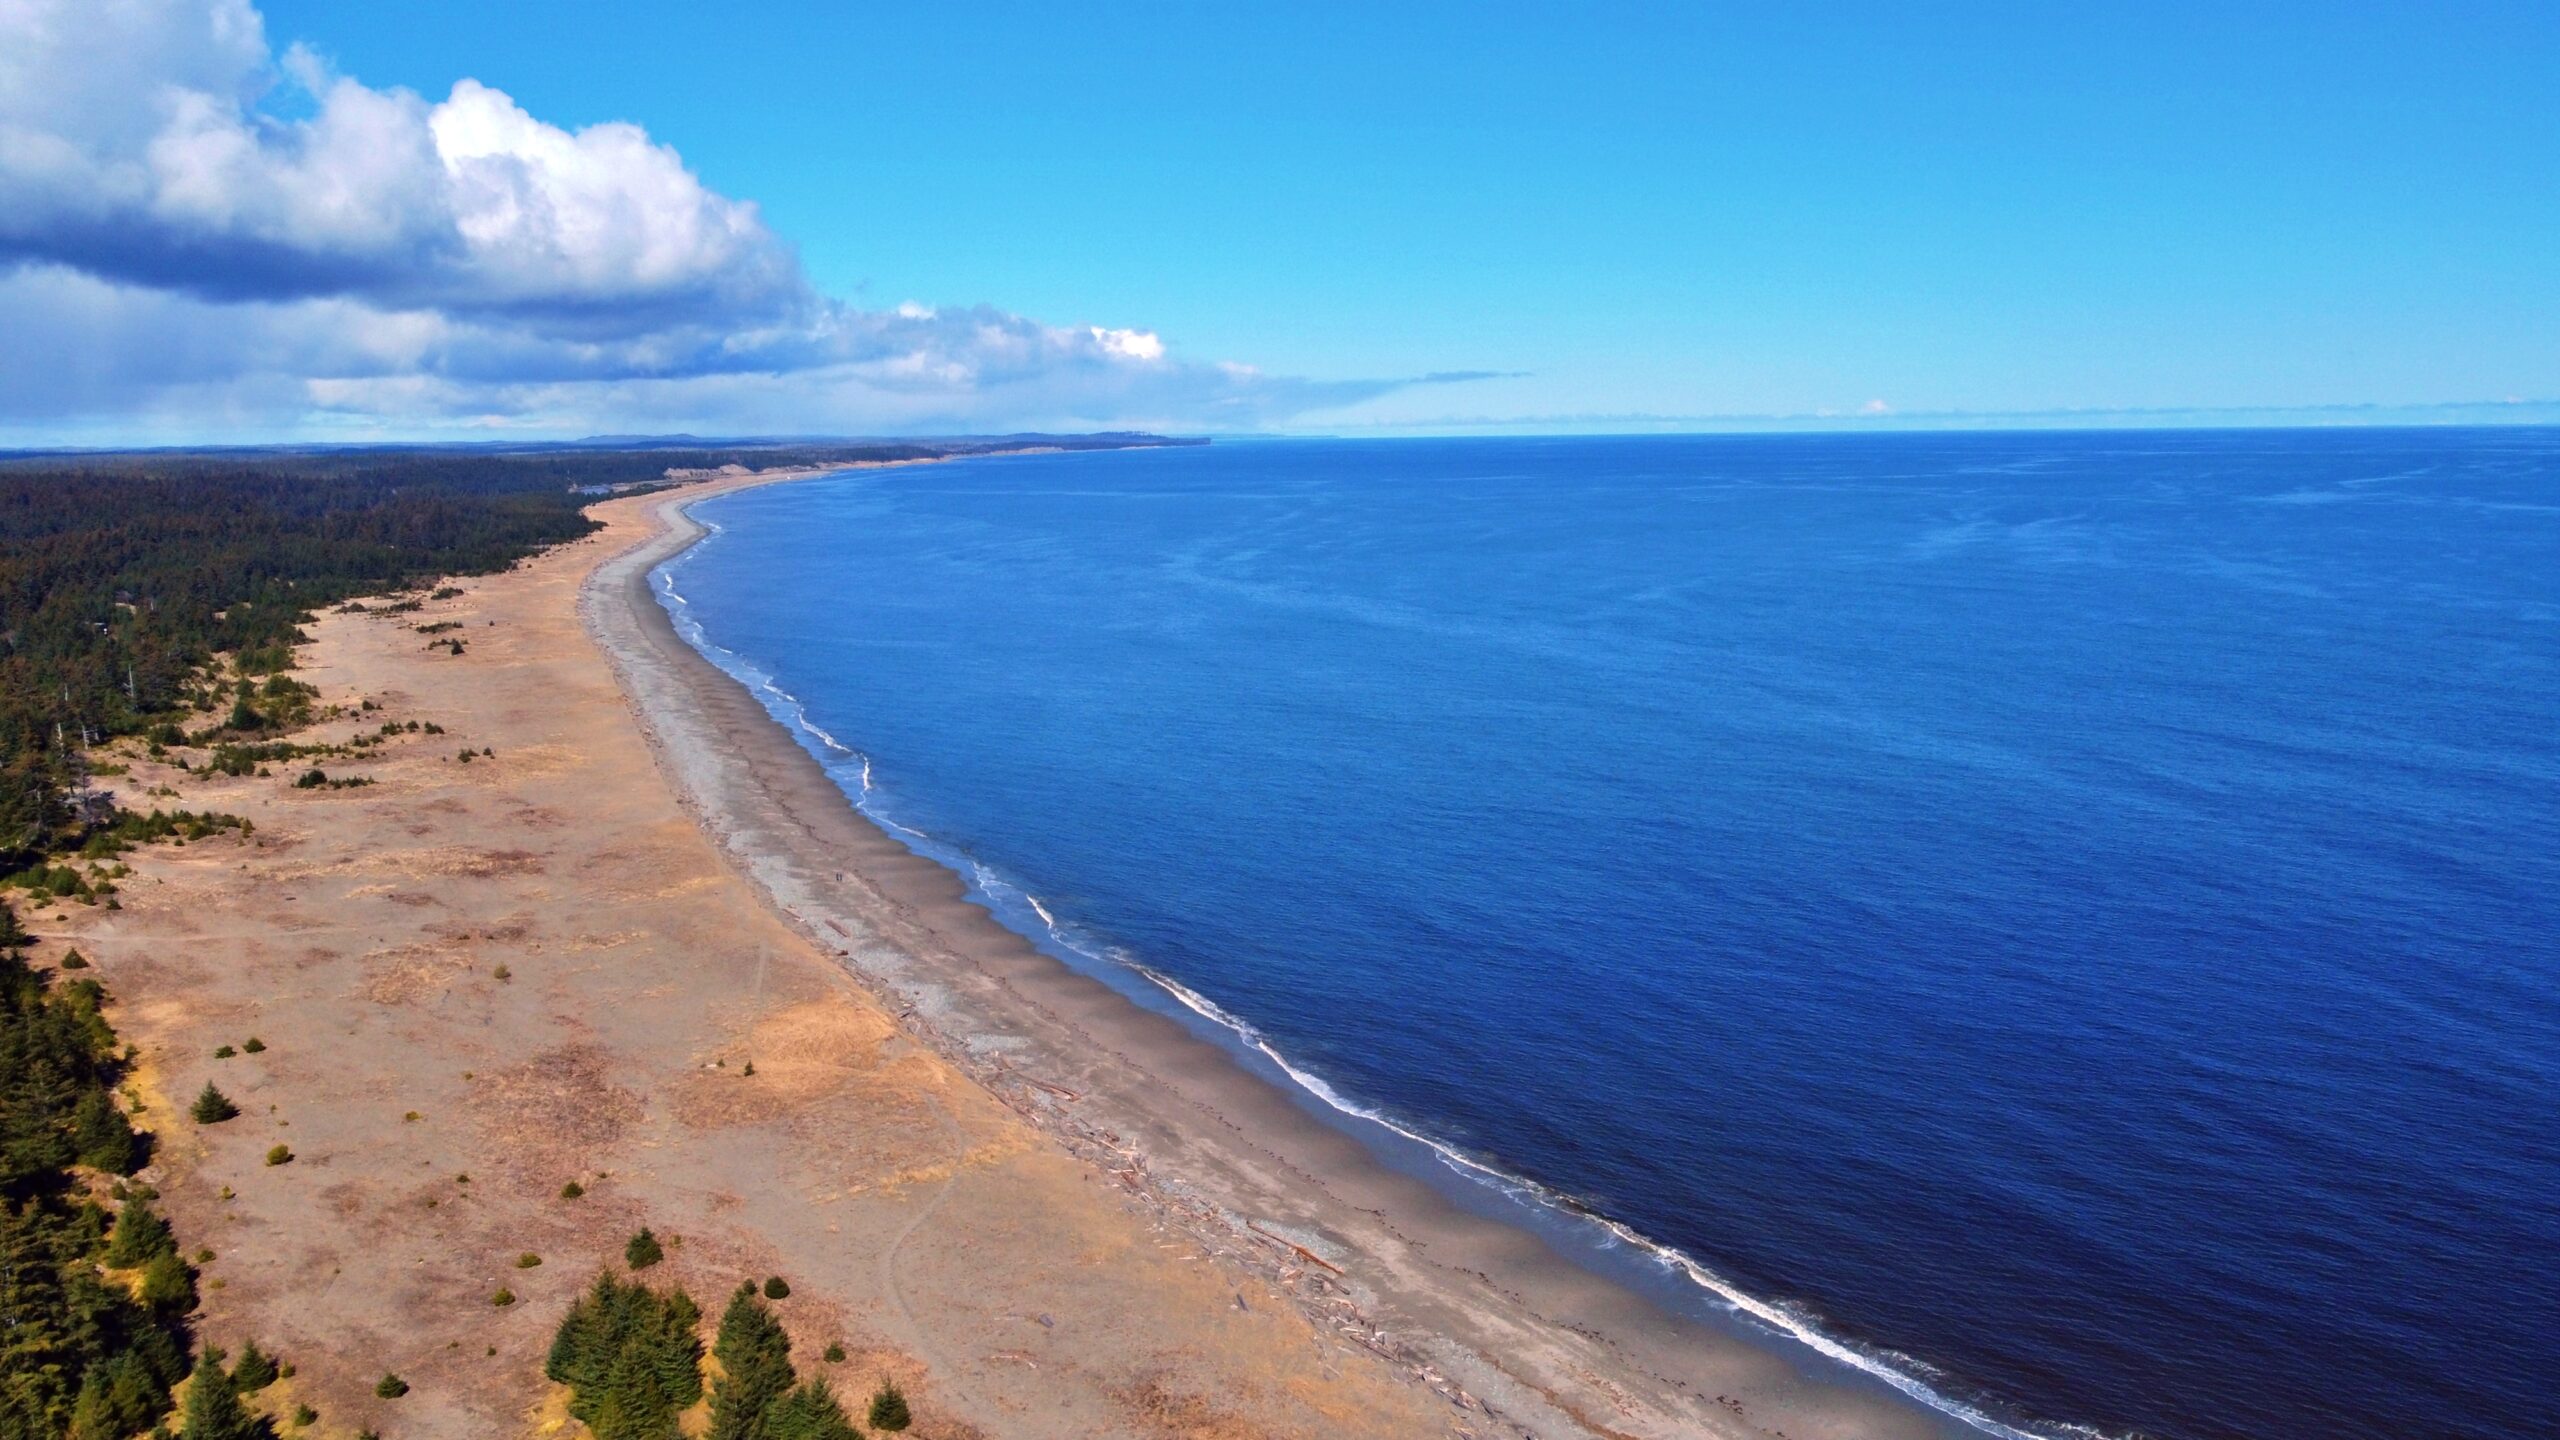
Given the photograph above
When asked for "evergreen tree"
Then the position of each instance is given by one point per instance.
(214, 1411)
(643, 1251)
(168, 1286)
(139, 1235)
(212, 1107)
(811, 1413)
(103, 1137)
(117, 1398)
(255, 1371)
(755, 1364)
(889, 1408)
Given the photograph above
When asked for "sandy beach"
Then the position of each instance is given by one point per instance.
(1042, 1210)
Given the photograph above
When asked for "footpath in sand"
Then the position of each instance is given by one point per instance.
(478, 982)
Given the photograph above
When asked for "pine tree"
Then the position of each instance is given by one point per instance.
(643, 1251)
(811, 1413)
(889, 1408)
(214, 1411)
(212, 1107)
(255, 1370)
(167, 1285)
(139, 1235)
(755, 1363)
(104, 1138)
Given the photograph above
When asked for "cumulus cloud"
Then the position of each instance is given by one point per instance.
(192, 224)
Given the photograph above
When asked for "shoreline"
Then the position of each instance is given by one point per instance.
(1484, 1311)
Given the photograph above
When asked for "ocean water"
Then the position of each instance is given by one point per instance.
(2064, 923)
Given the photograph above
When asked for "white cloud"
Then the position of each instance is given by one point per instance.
(189, 220)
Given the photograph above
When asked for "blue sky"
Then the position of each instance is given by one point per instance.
(1706, 213)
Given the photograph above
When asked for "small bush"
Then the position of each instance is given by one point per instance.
(311, 779)
(504, 1298)
(279, 1155)
(502, 973)
(74, 960)
(527, 1260)
(889, 1408)
(572, 1190)
(390, 1387)
(643, 1251)
(304, 1415)
(834, 1355)
(253, 1046)
(213, 1107)
(224, 1052)
(775, 1288)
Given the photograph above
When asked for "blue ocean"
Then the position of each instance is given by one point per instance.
(2067, 922)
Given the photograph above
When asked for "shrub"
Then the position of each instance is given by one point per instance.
(304, 1415)
(212, 1107)
(502, 973)
(390, 1387)
(572, 1190)
(311, 779)
(775, 1288)
(835, 1354)
(643, 1251)
(74, 960)
(504, 1298)
(279, 1155)
(253, 1046)
(527, 1260)
(223, 1052)
(889, 1408)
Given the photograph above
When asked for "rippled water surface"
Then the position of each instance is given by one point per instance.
(2072, 917)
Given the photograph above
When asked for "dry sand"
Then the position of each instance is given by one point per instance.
(1044, 1211)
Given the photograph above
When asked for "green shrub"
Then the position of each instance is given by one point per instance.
(572, 1190)
(74, 960)
(775, 1288)
(390, 1387)
(304, 1415)
(527, 1260)
(223, 1052)
(504, 1298)
(643, 1250)
(835, 1354)
(311, 779)
(279, 1155)
(212, 1107)
(253, 1046)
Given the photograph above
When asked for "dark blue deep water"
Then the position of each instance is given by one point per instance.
(2074, 916)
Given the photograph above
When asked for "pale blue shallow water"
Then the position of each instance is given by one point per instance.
(2070, 917)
